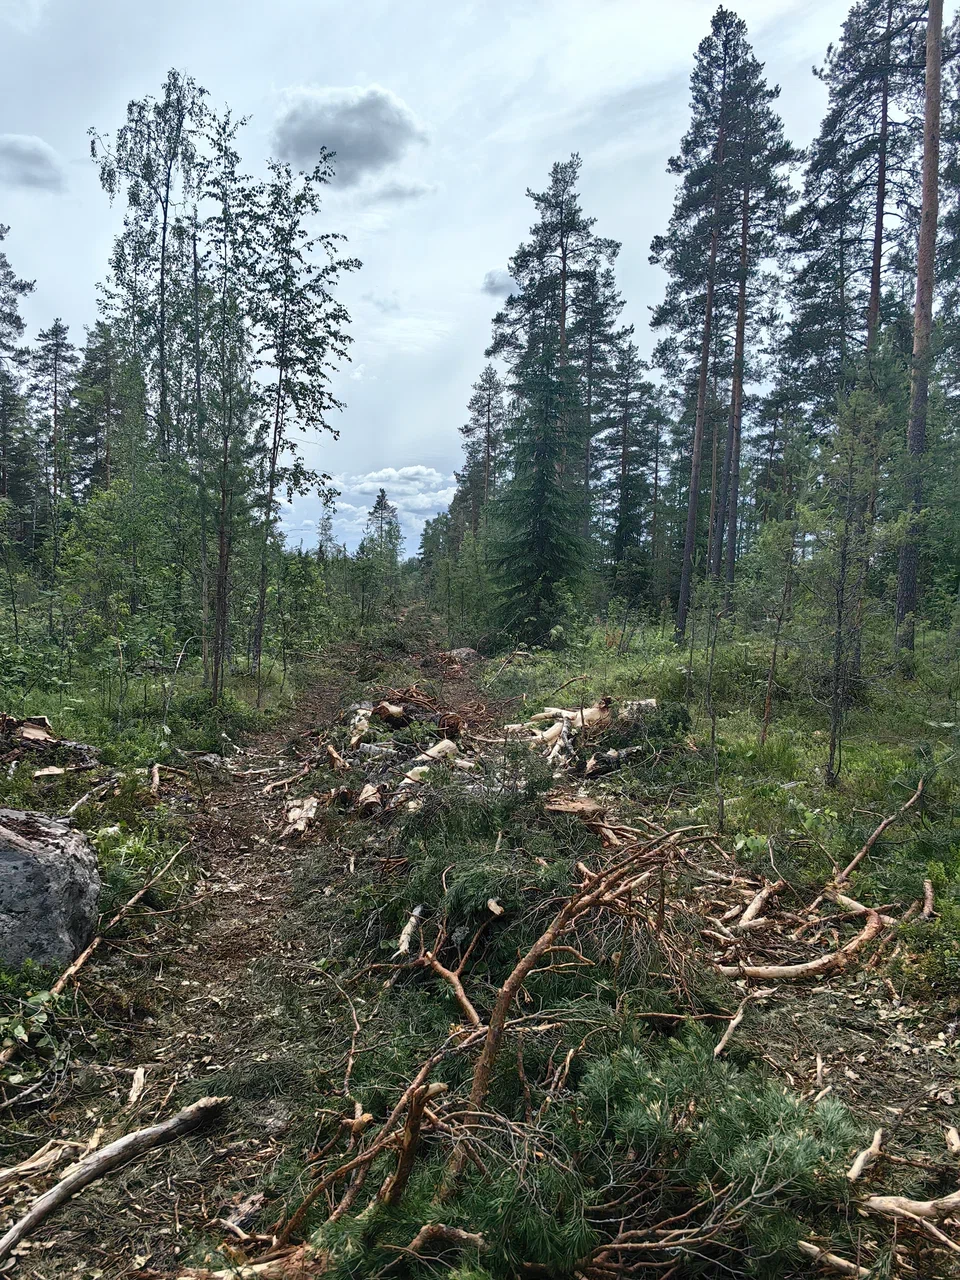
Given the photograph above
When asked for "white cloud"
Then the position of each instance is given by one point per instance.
(417, 491)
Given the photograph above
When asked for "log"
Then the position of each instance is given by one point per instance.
(300, 815)
(130, 1147)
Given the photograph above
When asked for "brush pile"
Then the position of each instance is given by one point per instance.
(382, 763)
(31, 739)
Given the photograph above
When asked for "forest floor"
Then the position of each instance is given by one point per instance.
(226, 991)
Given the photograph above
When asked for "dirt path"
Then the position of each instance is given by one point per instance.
(193, 1000)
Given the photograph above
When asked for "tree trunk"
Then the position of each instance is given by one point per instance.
(696, 454)
(907, 569)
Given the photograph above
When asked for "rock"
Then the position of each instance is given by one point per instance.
(49, 889)
(464, 655)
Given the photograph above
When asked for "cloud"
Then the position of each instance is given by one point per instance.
(368, 128)
(413, 334)
(385, 305)
(498, 283)
(418, 492)
(399, 192)
(27, 161)
(22, 14)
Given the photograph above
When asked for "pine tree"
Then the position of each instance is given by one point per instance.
(53, 362)
(725, 218)
(859, 198)
(907, 571)
(483, 435)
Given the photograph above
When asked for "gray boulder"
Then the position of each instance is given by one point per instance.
(49, 889)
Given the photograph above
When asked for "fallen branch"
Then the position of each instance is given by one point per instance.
(42, 1161)
(902, 1207)
(867, 1158)
(928, 899)
(810, 968)
(840, 1265)
(130, 1147)
(432, 1232)
(754, 908)
(738, 1018)
(855, 861)
(300, 1262)
(395, 1185)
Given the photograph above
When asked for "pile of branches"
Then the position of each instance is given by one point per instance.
(30, 739)
(383, 772)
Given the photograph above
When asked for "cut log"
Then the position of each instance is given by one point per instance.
(300, 816)
(130, 1147)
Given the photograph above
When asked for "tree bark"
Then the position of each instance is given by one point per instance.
(696, 455)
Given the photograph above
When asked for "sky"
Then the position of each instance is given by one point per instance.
(442, 113)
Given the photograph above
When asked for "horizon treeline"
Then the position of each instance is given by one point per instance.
(794, 433)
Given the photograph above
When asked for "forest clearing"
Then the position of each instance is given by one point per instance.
(577, 898)
(330, 952)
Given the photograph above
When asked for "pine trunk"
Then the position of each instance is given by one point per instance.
(907, 571)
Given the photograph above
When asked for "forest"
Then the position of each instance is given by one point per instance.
(577, 897)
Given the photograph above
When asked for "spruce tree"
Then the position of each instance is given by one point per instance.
(12, 289)
(540, 543)
(52, 364)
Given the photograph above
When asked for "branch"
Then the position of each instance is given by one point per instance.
(858, 858)
(130, 1147)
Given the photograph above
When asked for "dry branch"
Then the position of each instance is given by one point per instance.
(395, 1185)
(433, 1232)
(855, 861)
(810, 968)
(830, 1260)
(867, 1157)
(902, 1207)
(42, 1161)
(130, 1147)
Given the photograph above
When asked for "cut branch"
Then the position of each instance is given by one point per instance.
(130, 1147)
